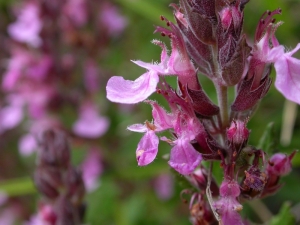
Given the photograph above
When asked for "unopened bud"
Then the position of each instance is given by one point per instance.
(54, 149)
(280, 164)
(255, 179)
(238, 132)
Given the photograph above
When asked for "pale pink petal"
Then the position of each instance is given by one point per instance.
(130, 92)
(147, 148)
(91, 170)
(184, 158)
(141, 128)
(288, 78)
(158, 68)
(162, 120)
(27, 145)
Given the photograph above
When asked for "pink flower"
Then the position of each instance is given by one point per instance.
(228, 207)
(28, 26)
(148, 146)
(287, 72)
(90, 124)
(184, 158)
(130, 92)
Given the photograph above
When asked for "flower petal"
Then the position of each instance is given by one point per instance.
(141, 128)
(287, 77)
(130, 92)
(184, 158)
(147, 148)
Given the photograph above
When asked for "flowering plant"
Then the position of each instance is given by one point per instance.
(208, 39)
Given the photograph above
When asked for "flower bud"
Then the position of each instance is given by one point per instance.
(255, 179)
(54, 149)
(238, 132)
(280, 164)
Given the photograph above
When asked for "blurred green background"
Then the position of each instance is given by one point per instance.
(127, 193)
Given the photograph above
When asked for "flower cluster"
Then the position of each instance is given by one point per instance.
(208, 39)
(51, 45)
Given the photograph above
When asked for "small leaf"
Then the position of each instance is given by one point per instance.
(284, 217)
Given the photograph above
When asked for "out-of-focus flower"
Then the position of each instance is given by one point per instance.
(164, 186)
(28, 142)
(8, 216)
(76, 11)
(91, 170)
(28, 25)
(111, 19)
(280, 164)
(11, 115)
(90, 124)
(91, 76)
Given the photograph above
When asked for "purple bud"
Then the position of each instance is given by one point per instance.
(255, 179)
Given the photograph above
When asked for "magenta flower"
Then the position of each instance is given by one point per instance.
(28, 26)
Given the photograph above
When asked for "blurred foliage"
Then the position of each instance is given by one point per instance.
(126, 195)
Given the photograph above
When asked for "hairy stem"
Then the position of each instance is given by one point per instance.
(223, 104)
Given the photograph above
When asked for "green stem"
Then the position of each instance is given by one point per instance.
(223, 104)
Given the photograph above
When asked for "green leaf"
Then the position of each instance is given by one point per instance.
(284, 217)
(266, 142)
